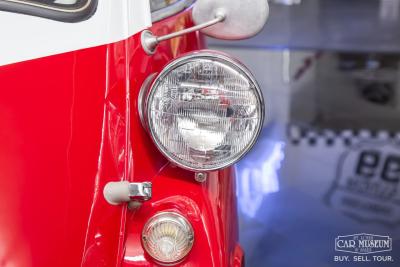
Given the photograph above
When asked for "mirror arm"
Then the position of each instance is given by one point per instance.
(150, 41)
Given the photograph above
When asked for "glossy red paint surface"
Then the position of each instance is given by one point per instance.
(211, 206)
(69, 124)
(62, 138)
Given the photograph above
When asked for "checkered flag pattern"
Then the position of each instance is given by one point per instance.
(299, 135)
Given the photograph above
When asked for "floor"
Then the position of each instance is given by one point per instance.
(291, 208)
(328, 160)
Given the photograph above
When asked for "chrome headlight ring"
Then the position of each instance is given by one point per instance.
(204, 111)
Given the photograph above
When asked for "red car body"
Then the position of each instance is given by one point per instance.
(69, 125)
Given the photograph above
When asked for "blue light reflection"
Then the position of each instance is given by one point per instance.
(257, 175)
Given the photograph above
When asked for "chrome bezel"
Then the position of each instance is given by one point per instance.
(142, 99)
(167, 216)
(202, 54)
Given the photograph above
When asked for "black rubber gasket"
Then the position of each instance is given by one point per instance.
(65, 14)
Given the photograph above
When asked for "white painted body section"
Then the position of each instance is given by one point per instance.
(24, 37)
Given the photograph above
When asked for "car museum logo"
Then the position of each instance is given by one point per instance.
(366, 185)
(363, 243)
(360, 246)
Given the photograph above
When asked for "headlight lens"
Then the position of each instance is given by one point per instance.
(204, 111)
(168, 237)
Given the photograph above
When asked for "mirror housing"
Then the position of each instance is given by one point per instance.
(243, 18)
(223, 19)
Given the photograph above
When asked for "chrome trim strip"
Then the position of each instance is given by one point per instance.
(53, 8)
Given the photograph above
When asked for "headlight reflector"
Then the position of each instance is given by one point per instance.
(204, 111)
(168, 237)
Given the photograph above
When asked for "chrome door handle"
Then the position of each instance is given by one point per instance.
(119, 192)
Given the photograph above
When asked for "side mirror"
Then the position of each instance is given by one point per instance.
(223, 19)
(243, 18)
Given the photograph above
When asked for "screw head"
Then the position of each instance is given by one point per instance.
(200, 177)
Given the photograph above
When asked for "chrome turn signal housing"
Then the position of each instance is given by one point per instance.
(204, 111)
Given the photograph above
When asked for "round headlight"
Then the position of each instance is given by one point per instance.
(168, 237)
(204, 111)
